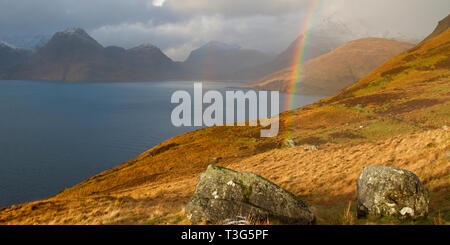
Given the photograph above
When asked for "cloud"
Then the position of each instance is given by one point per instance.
(237, 7)
(48, 16)
(178, 39)
(158, 3)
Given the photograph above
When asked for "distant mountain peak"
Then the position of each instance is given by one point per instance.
(7, 45)
(75, 31)
(221, 45)
(442, 26)
(146, 46)
(30, 42)
(73, 36)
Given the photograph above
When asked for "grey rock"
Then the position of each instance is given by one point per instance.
(239, 220)
(224, 194)
(445, 127)
(389, 191)
(289, 143)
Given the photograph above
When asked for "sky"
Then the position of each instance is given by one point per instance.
(179, 26)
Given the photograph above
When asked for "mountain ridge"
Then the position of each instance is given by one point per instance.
(442, 26)
(317, 44)
(11, 57)
(335, 70)
(73, 55)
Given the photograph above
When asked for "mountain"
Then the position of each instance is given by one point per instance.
(317, 43)
(395, 116)
(11, 56)
(73, 55)
(331, 72)
(27, 42)
(442, 26)
(218, 61)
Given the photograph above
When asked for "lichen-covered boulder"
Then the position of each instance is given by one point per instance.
(225, 194)
(388, 191)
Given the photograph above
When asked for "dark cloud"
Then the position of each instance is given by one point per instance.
(31, 16)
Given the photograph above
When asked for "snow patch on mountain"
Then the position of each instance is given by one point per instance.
(5, 44)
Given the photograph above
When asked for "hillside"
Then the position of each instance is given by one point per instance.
(318, 43)
(331, 72)
(394, 116)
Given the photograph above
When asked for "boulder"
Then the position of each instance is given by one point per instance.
(389, 191)
(289, 143)
(223, 194)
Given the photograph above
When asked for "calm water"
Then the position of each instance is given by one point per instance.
(55, 134)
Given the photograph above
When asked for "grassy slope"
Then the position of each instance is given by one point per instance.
(331, 72)
(407, 99)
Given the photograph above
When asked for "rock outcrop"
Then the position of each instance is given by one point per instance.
(225, 194)
(388, 191)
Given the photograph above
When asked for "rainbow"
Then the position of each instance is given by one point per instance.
(299, 55)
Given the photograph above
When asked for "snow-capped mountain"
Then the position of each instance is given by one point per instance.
(7, 45)
(347, 30)
(73, 55)
(11, 57)
(26, 42)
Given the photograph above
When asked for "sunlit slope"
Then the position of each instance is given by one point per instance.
(393, 116)
(407, 94)
(331, 72)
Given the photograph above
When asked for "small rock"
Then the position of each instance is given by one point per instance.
(289, 143)
(360, 106)
(239, 220)
(445, 127)
(447, 153)
(310, 148)
(361, 126)
(407, 210)
(389, 191)
(223, 194)
(216, 159)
